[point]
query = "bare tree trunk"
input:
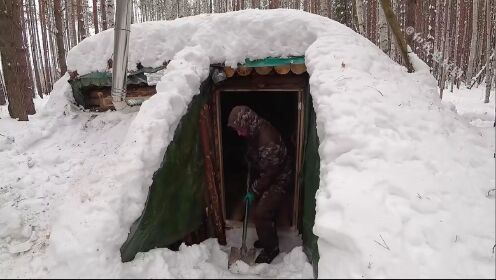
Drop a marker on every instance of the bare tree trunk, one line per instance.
(489, 58)
(473, 43)
(44, 49)
(59, 36)
(67, 35)
(73, 20)
(28, 74)
(480, 57)
(34, 45)
(3, 100)
(13, 58)
(397, 34)
(87, 17)
(325, 8)
(373, 20)
(255, 4)
(51, 40)
(273, 4)
(80, 20)
(457, 32)
(95, 16)
(410, 21)
(110, 13)
(103, 13)
(457, 29)
(39, 41)
(445, 66)
(464, 44)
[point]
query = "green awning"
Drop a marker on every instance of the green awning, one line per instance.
(274, 61)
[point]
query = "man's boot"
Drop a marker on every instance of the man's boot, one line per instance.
(267, 255)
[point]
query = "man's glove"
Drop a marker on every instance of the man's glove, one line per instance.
(249, 198)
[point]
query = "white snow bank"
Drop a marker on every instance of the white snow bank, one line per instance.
(403, 178)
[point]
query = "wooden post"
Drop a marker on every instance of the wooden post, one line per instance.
(215, 205)
(398, 36)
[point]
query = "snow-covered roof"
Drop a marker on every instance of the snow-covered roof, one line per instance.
(400, 194)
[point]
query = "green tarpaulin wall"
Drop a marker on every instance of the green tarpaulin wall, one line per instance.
(311, 181)
(175, 203)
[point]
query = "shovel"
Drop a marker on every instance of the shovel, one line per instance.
(243, 254)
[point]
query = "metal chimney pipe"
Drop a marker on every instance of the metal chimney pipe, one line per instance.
(122, 31)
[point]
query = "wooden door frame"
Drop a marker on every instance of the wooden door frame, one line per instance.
(291, 83)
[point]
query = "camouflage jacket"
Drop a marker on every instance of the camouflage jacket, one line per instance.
(266, 152)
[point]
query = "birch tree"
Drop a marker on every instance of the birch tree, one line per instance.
(360, 16)
(384, 43)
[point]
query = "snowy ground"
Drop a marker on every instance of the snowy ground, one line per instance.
(469, 104)
(405, 179)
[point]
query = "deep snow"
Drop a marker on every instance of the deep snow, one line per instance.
(404, 178)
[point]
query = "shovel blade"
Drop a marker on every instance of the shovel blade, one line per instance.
(237, 254)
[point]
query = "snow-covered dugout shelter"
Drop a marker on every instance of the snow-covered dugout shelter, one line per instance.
(384, 186)
(198, 190)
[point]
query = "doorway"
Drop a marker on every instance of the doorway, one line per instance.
(280, 109)
(281, 100)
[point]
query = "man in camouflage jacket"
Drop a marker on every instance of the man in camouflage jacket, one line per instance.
(271, 175)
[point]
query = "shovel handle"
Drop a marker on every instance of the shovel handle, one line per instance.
(247, 209)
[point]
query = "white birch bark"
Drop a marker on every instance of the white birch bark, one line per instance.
(384, 43)
(360, 16)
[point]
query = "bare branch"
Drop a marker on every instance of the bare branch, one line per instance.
(384, 244)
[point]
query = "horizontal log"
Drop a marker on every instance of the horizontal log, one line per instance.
(282, 69)
(298, 68)
(229, 71)
(263, 70)
(244, 71)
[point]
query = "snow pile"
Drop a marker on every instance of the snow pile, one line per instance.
(403, 184)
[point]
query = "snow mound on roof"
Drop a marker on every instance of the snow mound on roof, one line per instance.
(403, 179)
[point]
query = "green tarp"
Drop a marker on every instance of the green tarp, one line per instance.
(175, 203)
(274, 61)
(104, 79)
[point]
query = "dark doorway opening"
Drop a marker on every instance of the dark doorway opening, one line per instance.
(280, 109)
